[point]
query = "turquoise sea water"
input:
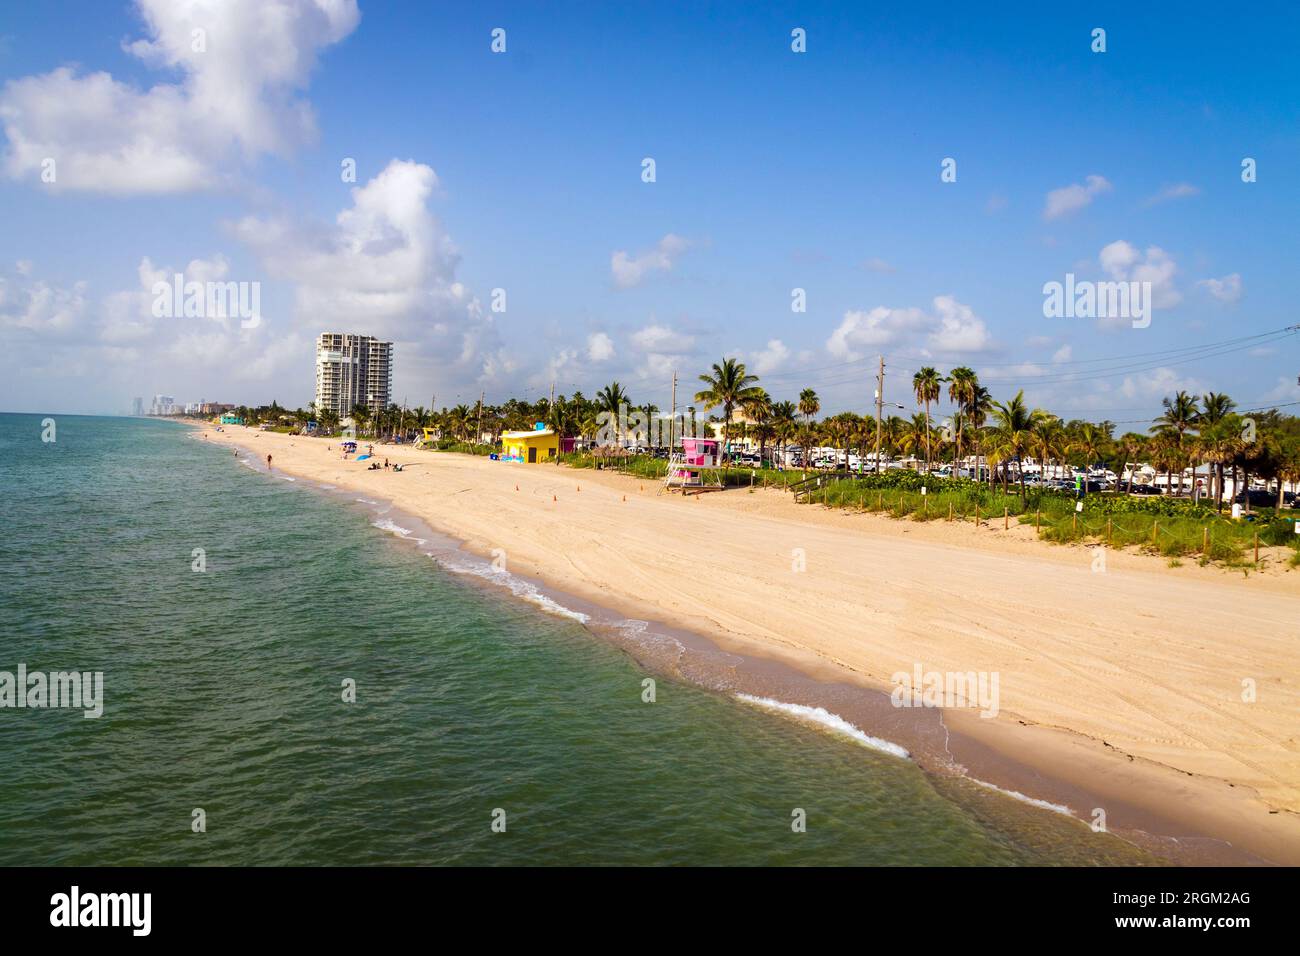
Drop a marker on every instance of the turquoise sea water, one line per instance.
(223, 691)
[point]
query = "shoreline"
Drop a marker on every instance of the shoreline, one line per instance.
(1155, 804)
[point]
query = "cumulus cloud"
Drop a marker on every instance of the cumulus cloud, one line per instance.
(1157, 384)
(1124, 262)
(600, 347)
(1226, 290)
(385, 263)
(41, 308)
(242, 65)
(629, 271)
(950, 327)
(769, 358)
(1070, 199)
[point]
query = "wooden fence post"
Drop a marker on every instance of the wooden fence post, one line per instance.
(1257, 547)
(1006, 517)
(1205, 540)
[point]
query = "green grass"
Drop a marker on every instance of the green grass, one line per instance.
(1169, 528)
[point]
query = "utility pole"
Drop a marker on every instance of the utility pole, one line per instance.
(672, 417)
(880, 405)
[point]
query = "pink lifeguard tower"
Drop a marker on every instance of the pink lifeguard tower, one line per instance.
(698, 465)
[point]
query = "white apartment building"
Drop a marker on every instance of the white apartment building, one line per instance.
(352, 370)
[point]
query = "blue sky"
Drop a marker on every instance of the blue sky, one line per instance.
(522, 171)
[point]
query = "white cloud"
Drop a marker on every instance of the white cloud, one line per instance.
(878, 265)
(951, 327)
(1124, 262)
(629, 271)
(661, 349)
(1063, 354)
(1286, 390)
(384, 267)
(959, 329)
(661, 338)
(600, 347)
(1157, 384)
(769, 359)
(236, 98)
(1070, 199)
(1226, 290)
(1176, 191)
(42, 309)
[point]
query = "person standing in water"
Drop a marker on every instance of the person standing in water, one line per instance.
(268, 462)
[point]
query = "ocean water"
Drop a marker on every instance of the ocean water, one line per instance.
(223, 690)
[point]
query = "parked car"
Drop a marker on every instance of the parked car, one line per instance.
(1258, 498)
(1145, 490)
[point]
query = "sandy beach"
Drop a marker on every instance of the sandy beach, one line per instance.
(1125, 687)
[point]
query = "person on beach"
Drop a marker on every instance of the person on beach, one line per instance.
(268, 462)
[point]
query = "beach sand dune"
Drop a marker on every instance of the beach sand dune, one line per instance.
(1135, 682)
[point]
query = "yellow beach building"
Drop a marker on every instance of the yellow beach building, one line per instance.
(540, 444)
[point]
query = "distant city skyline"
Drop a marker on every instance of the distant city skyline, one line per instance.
(626, 191)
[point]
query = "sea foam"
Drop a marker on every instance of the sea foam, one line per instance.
(833, 722)
(1023, 798)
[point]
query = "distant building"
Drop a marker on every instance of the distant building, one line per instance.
(137, 407)
(163, 405)
(352, 370)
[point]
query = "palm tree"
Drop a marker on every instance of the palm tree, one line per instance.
(360, 416)
(962, 386)
(758, 409)
(1091, 442)
(1047, 441)
(979, 409)
(912, 436)
(783, 424)
(1180, 415)
(611, 399)
(809, 405)
(729, 385)
(1219, 443)
(841, 429)
(1014, 424)
(1215, 407)
(927, 385)
(1131, 445)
